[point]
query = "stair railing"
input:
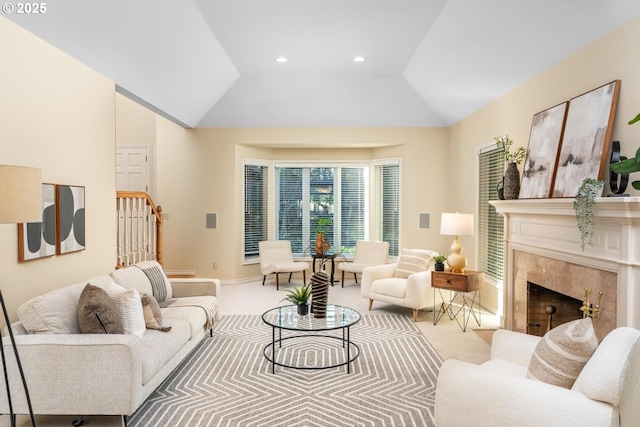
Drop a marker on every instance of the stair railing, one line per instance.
(139, 228)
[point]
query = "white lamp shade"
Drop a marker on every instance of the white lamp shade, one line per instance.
(20, 194)
(456, 224)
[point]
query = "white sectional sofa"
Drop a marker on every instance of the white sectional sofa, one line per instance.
(72, 373)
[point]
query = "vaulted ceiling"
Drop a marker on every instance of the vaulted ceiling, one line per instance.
(211, 63)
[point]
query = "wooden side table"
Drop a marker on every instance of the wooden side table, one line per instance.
(462, 284)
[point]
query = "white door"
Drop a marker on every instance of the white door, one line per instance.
(132, 168)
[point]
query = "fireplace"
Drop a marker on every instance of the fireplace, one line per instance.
(542, 246)
(547, 309)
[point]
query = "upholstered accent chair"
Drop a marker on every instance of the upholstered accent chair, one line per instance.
(276, 257)
(406, 283)
(497, 393)
(367, 254)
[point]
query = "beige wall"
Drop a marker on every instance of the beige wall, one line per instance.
(201, 171)
(612, 57)
(57, 115)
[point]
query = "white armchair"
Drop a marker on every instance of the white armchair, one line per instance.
(498, 392)
(367, 254)
(276, 257)
(379, 283)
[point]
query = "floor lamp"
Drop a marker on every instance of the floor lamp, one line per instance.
(20, 202)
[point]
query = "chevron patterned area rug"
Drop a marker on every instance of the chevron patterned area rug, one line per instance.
(227, 381)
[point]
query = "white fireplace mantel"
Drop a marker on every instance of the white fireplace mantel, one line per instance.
(548, 227)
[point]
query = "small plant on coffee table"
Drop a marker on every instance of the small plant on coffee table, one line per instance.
(300, 297)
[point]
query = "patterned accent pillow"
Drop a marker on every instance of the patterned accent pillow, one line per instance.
(152, 313)
(160, 284)
(412, 261)
(127, 301)
(97, 313)
(562, 353)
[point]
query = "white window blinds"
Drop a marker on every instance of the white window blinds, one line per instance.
(387, 207)
(255, 208)
(490, 224)
(306, 194)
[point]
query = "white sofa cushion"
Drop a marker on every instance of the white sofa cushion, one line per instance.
(134, 278)
(158, 347)
(129, 306)
(56, 312)
(392, 286)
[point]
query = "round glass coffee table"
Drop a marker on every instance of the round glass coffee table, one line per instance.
(287, 318)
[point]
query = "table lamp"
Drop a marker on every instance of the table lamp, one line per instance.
(20, 202)
(456, 224)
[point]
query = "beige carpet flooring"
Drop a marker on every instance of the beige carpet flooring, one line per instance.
(253, 298)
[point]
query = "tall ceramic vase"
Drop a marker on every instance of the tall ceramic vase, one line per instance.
(319, 293)
(511, 182)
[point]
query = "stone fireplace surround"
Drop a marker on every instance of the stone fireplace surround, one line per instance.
(542, 245)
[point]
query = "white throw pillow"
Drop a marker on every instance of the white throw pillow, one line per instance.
(129, 307)
(412, 261)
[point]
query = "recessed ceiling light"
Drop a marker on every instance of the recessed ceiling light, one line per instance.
(281, 59)
(359, 59)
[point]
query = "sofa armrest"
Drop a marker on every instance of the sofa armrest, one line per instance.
(468, 394)
(370, 274)
(419, 290)
(75, 374)
(514, 347)
(195, 287)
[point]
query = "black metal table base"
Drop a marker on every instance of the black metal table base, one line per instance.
(351, 348)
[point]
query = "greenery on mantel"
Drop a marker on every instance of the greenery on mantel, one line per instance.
(629, 165)
(583, 206)
(505, 143)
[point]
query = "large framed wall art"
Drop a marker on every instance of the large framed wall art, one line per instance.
(71, 218)
(542, 153)
(38, 239)
(585, 143)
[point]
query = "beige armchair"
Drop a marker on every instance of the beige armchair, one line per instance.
(367, 254)
(498, 392)
(276, 257)
(386, 282)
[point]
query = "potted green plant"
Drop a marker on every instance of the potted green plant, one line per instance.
(511, 180)
(583, 207)
(439, 262)
(629, 165)
(300, 297)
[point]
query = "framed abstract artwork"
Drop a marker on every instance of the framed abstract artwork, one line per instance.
(542, 153)
(585, 143)
(71, 219)
(38, 239)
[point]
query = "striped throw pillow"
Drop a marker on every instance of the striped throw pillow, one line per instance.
(561, 354)
(412, 261)
(129, 307)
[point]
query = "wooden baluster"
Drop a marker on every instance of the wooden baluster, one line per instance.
(120, 232)
(159, 236)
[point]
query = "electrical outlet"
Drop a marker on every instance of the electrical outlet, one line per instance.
(166, 216)
(215, 265)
